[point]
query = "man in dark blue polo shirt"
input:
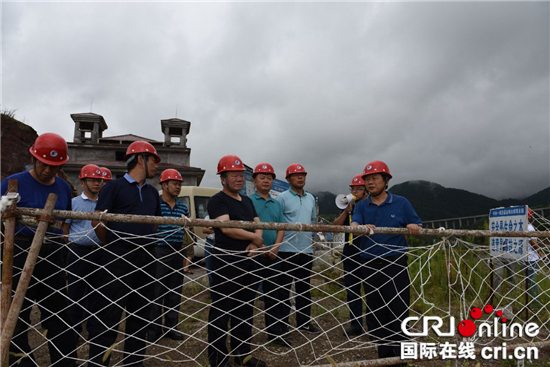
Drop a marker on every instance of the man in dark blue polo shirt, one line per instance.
(47, 287)
(169, 260)
(129, 265)
(385, 268)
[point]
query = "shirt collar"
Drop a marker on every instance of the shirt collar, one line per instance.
(130, 179)
(83, 196)
(295, 193)
(388, 200)
(257, 196)
(162, 201)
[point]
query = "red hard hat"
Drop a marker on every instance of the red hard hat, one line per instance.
(264, 168)
(106, 173)
(357, 180)
(90, 171)
(50, 148)
(170, 174)
(230, 163)
(295, 168)
(376, 167)
(139, 147)
(529, 214)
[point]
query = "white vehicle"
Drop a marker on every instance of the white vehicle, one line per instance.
(196, 198)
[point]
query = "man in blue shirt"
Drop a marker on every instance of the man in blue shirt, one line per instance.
(47, 286)
(270, 210)
(296, 252)
(385, 268)
(169, 259)
(127, 281)
(352, 260)
(83, 258)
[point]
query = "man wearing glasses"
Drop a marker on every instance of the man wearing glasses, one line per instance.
(352, 261)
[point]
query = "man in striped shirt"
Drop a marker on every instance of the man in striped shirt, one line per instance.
(169, 260)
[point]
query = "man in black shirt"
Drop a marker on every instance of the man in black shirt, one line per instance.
(233, 270)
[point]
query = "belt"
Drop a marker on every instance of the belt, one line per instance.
(386, 260)
(83, 246)
(23, 238)
(178, 246)
(47, 240)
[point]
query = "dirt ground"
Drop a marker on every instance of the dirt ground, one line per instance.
(308, 349)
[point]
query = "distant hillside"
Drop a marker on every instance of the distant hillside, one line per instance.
(433, 201)
(541, 198)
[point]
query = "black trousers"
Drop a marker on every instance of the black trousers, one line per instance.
(353, 280)
(167, 289)
(231, 310)
(127, 283)
(387, 291)
(296, 267)
(269, 277)
(82, 275)
(47, 288)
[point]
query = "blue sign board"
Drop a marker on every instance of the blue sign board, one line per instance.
(512, 219)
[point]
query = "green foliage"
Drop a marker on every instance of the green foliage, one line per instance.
(8, 113)
(329, 217)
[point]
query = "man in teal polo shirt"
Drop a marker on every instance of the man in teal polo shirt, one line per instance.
(296, 252)
(270, 210)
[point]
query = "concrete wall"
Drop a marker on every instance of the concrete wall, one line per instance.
(103, 154)
(89, 152)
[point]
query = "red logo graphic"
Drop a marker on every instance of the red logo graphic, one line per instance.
(468, 328)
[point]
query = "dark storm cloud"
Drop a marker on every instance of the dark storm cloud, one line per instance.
(455, 93)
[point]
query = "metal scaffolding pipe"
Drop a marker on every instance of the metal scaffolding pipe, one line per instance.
(186, 222)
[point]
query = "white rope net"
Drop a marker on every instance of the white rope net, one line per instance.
(447, 279)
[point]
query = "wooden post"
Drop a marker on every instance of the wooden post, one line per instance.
(7, 258)
(25, 279)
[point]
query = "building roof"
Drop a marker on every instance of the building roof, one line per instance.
(127, 138)
(90, 117)
(121, 164)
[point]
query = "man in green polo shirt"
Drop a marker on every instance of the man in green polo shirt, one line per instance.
(270, 210)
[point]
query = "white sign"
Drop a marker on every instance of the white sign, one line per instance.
(509, 219)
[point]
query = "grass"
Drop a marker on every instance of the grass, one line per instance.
(447, 279)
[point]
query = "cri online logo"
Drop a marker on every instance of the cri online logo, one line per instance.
(468, 328)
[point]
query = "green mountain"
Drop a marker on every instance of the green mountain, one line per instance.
(541, 198)
(433, 201)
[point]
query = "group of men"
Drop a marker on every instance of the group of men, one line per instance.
(139, 271)
(242, 259)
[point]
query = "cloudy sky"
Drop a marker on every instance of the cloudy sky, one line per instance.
(454, 93)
